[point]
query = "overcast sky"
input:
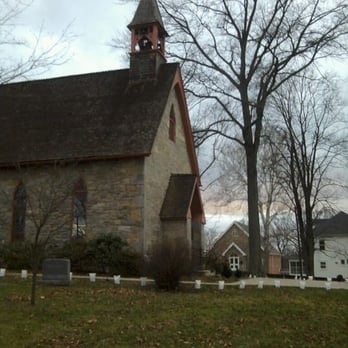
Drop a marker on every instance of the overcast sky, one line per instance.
(94, 24)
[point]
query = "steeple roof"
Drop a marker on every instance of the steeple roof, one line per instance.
(147, 12)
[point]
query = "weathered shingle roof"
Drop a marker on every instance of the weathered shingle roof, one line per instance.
(335, 226)
(176, 204)
(81, 117)
(147, 12)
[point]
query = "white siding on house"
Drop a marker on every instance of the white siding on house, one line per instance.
(332, 260)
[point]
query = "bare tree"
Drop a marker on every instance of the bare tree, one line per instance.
(283, 234)
(315, 142)
(236, 54)
(22, 56)
(45, 215)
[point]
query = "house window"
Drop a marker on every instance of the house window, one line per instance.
(343, 262)
(79, 209)
(19, 212)
(323, 265)
(234, 263)
(321, 244)
(172, 125)
(295, 267)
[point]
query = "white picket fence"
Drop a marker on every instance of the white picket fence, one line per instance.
(259, 283)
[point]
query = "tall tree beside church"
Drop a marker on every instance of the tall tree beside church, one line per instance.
(236, 54)
(22, 55)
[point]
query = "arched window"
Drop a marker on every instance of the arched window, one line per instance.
(19, 211)
(172, 125)
(79, 209)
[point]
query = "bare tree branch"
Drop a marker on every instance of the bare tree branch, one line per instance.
(28, 54)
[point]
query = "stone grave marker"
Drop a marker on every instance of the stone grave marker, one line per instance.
(56, 272)
(197, 284)
(221, 285)
(92, 277)
(242, 284)
(24, 274)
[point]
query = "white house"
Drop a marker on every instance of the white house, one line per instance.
(331, 247)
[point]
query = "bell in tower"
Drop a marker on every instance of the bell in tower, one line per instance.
(147, 42)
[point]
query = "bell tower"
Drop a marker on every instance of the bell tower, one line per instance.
(147, 42)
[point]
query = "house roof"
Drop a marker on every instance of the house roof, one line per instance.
(147, 12)
(245, 229)
(335, 226)
(242, 227)
(81, 117)
(234, 245)
(177, 202)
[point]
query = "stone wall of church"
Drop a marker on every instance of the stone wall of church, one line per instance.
(47, 201)
(167, 157)
(8, 184)
(114, 198)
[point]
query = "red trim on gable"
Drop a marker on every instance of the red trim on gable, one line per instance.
(200, 217)
(196, 191)
(178, 86)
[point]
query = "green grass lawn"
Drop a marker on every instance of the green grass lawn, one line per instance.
(104, 315)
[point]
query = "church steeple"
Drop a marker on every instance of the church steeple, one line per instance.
(147, 42)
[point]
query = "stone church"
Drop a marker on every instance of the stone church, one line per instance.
(124, 137)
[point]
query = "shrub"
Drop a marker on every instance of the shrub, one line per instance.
(237, 273)
(76, 251)
(107, 254)
(111, 255)
(340, 278)
(130, 263)
(16, 255)
(226, 271)
(105, 250)
(213, 263)
(169, 262)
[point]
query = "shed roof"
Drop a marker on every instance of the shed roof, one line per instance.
(81, 117)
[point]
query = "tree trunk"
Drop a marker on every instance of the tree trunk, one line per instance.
(309, 253)
(253, 214)
(33, 287)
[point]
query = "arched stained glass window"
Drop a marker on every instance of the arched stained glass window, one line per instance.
(19, 211)
(79, 209)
